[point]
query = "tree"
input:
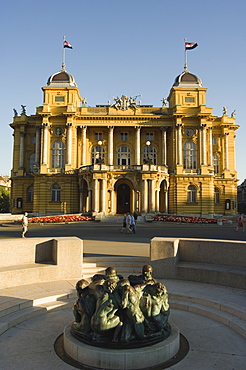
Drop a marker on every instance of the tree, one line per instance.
(4, 200)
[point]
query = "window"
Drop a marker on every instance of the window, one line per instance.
(124, 156)
(150, 136)
(189, 99)
(29, 194)
(216, 163)
(59, 98)
(58, 154)
(189, 155)
(98, 136)
(33, 139)
(149, 154)
(214, 140)
(191, 194)
(216, 195)
(124, 136)
(31, 162)
(55, 193)
(98, 154)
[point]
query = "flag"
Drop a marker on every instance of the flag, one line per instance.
(67, 45)
(190, 45)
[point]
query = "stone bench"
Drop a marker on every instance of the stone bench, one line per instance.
(36, 260)
(220, 262)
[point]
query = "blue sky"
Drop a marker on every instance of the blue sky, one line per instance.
(126, 47)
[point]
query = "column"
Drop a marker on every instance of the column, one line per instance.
(134, 201)
(84, 129)
(112, 201)
(144, 196)
(179, 144)
(37, 146)
(22, 146)
(157, 200)
(110, 145)
(103, 196)
(164, 147)
(203, 145)
(152, 196)
(45, 143)
(95, 193)
(210, 146)
(226, 136)
(69, 143)
(89, 201)
(137, 147)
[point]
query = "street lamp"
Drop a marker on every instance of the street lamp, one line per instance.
(100, 159)
(148, 160)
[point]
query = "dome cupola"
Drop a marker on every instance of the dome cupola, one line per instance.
(187, 80)
(61, 79)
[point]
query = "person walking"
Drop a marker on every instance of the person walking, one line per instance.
(240, 222)
(24, 222)
(128, 224)
(124, 223)
(133, 224)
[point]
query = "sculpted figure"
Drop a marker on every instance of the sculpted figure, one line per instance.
(110, 309)
(224, 111)
(154, 305)
(130, 302)
(143, 279)
(105, 318)
(23, 107)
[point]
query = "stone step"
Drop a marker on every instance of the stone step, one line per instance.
(213, 274)
(225, 318)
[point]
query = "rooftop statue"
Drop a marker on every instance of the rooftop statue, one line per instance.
(123, 102)
(121, 313)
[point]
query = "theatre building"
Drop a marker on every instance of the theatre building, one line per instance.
(123, 157)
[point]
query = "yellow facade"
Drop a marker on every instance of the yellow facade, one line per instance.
(124, 157)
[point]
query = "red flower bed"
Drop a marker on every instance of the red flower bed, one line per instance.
(186, 219)
(64, 218)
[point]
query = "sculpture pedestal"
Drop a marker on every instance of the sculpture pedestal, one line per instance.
(117, 359)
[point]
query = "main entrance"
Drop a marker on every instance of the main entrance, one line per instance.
(123, 198)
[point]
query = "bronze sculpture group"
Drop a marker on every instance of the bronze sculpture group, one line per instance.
(121, 313)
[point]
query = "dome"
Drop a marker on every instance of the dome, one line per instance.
(61, 79)
(187, 79)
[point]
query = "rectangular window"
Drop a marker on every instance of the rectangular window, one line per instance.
(98, 136)
(33, 139)
(59, 98)
(214, 140)
(189, 99)
(124, 136)
(150, 136)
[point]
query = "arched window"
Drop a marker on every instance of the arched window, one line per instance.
(216, 195)
(216, 163)
(31, 162)
(124, 156)
(191, 194)
(149, 154)
(29, 194)
(97, 154)
(58, 154)
(190, 155)
(55, 193)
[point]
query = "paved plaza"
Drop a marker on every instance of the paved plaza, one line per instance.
(213, 345)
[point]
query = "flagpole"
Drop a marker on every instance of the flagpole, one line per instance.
(185, 57)
(63, 54)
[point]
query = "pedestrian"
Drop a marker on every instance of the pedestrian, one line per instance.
(124, 223)
(240, 222)
(128, 224)
(24, 222)
(133, 224)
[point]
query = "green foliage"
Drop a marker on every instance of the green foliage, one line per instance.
(4, 200)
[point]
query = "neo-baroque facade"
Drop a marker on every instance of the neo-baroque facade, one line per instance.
(124, 157)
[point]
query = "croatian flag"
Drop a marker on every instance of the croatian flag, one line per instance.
(67, 45)
(190, 45)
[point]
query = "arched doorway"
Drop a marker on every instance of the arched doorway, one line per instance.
(163, 197)
(123, 198)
